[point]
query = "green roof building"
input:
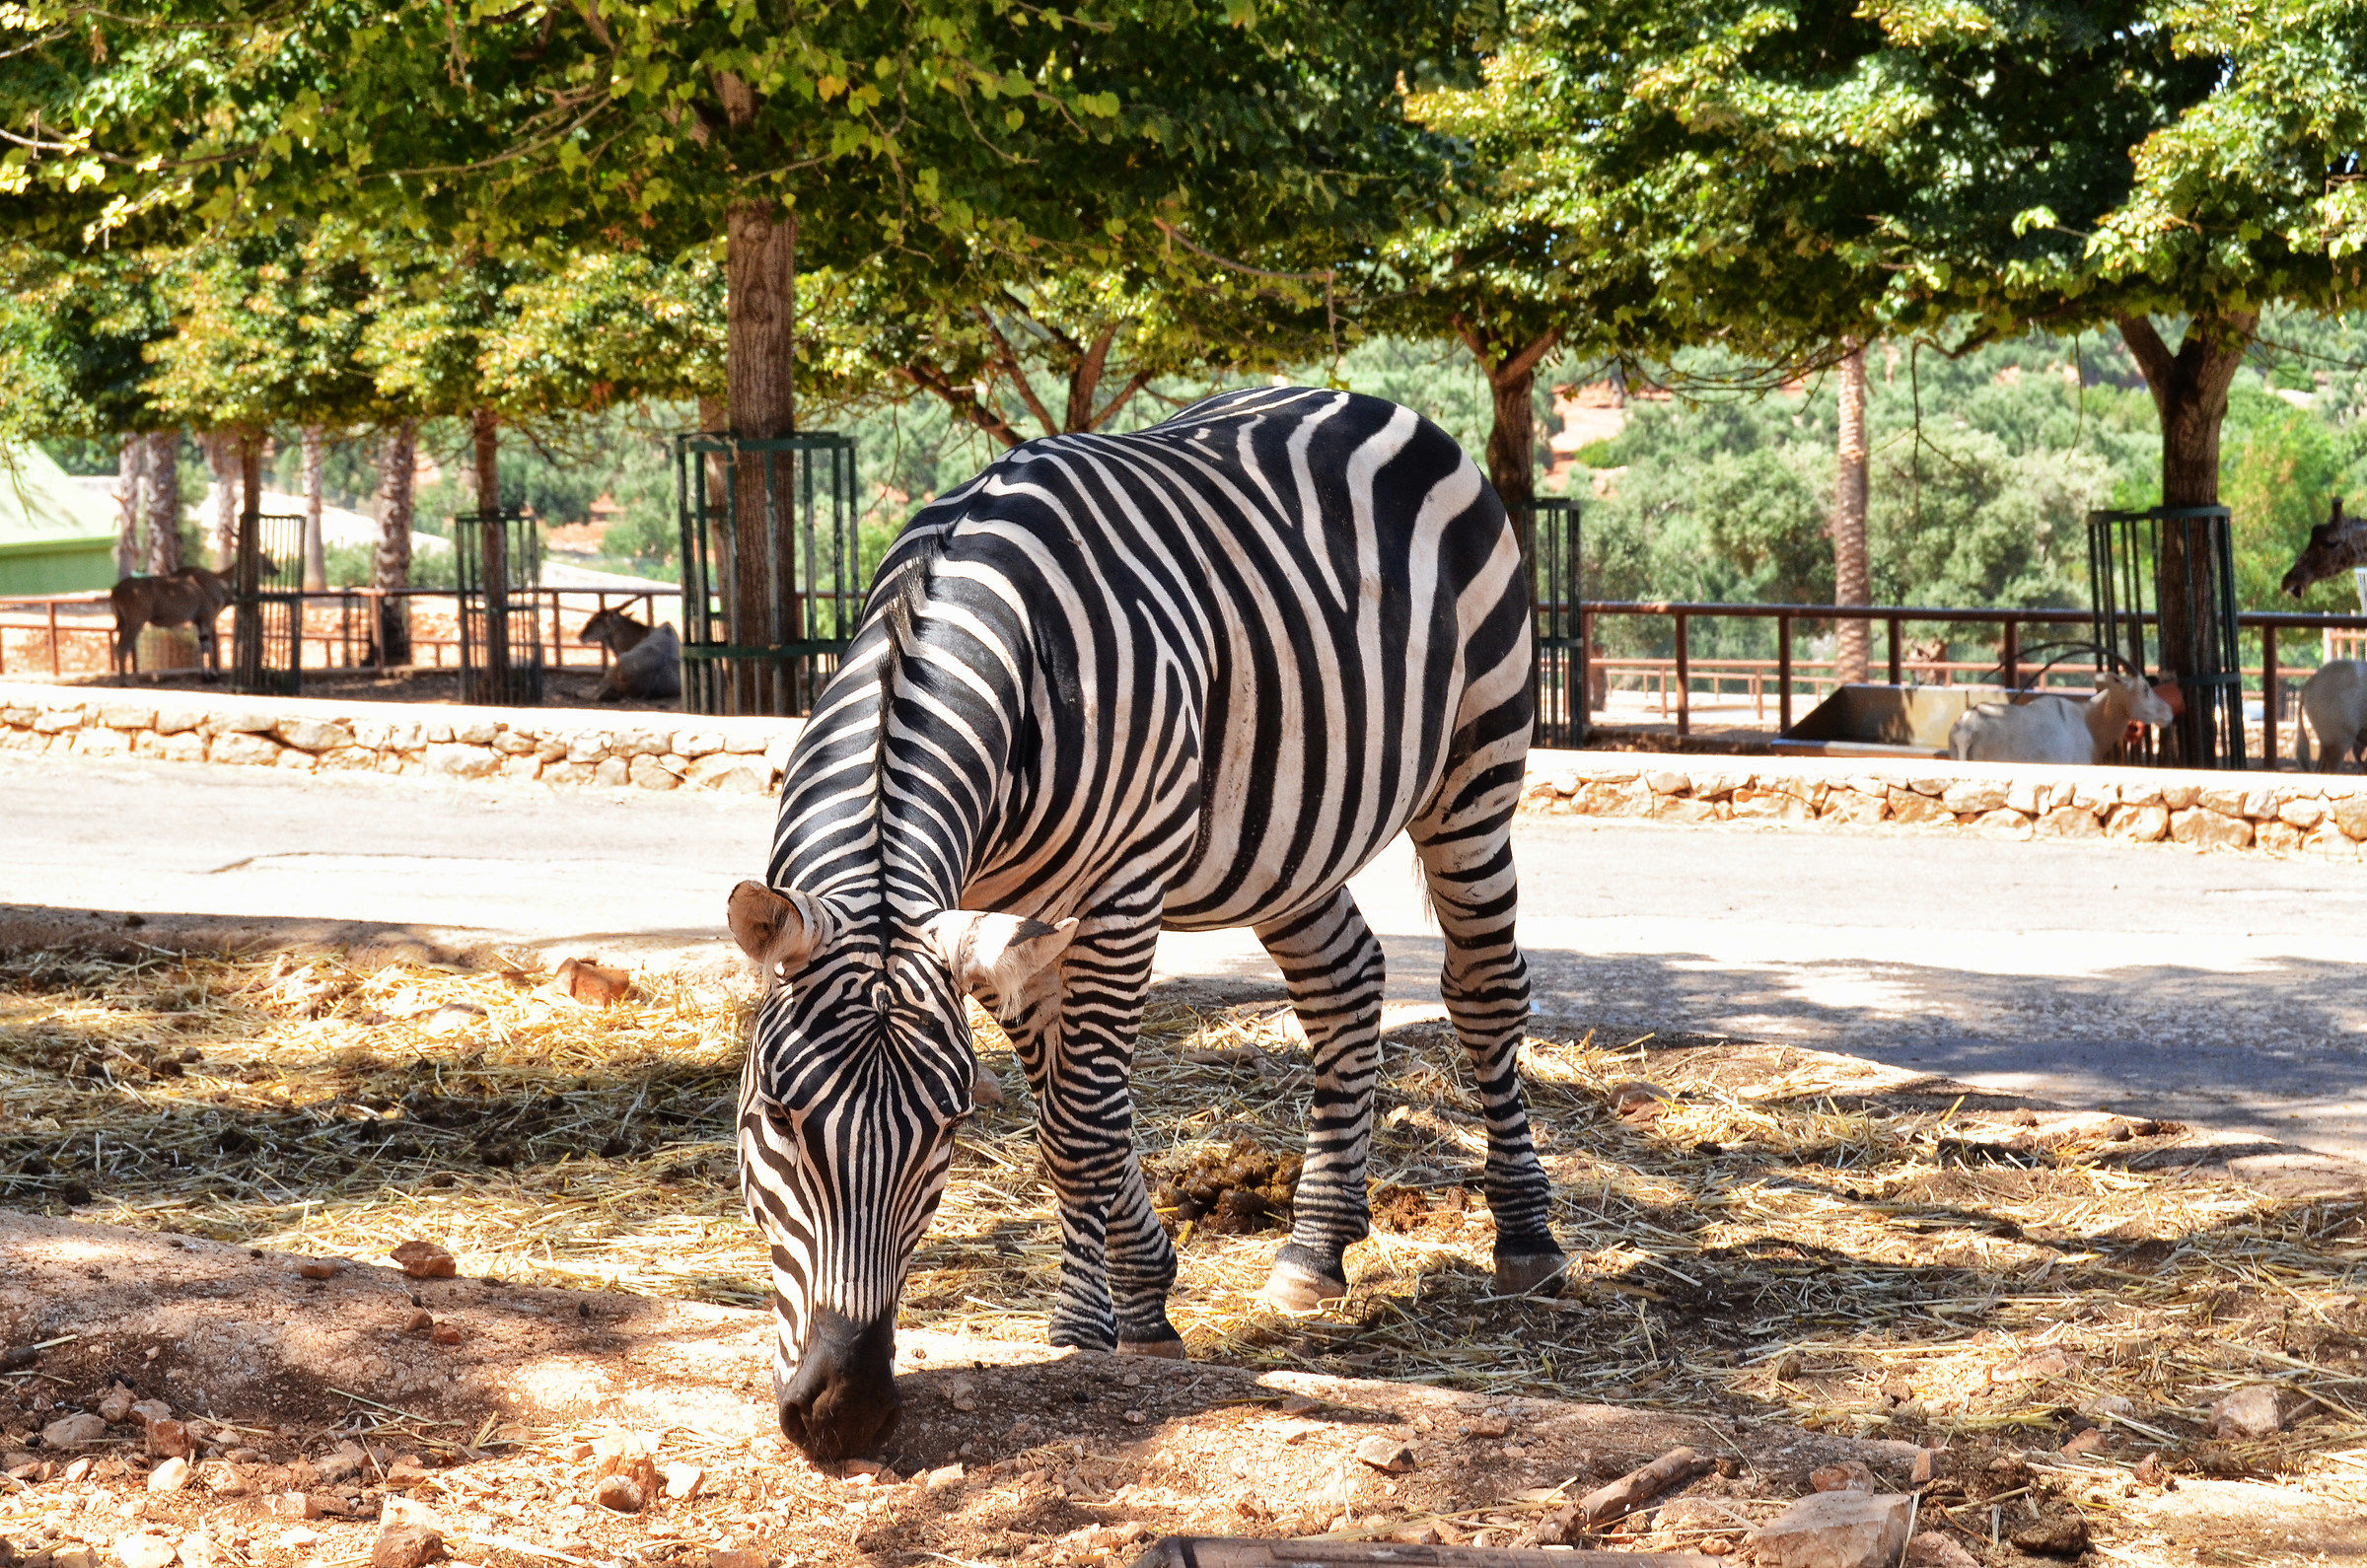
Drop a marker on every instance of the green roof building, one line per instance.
(55, 536)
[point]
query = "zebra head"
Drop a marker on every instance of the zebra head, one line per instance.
(859, 1075)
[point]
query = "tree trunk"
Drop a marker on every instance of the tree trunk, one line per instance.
(1512, 437)
(1850, 580)
(715, 419)
(492, 543)
(1512, 448)
(131, 470)
(164, 503)
(316, 548)
(391, 570)
(486, 446)
(246, 564)
(761, 268)
(221, 457)
(2189, 395)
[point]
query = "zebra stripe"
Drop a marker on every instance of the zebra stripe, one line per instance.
(1190, 677)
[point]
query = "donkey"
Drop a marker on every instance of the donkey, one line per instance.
(192, 595)
(648, 658)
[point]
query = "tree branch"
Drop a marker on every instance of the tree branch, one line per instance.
(1110, 411)
(2145, 346)
(1017, 371)
(1085, 378)
(1472, 341)
(1525, 361)
(962, 401)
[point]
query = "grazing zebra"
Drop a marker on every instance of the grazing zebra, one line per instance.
(1190, 677)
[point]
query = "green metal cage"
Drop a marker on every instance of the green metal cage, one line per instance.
(772, 576)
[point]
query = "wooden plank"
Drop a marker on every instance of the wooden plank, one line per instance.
(1640, 1486)
(1212, 1551)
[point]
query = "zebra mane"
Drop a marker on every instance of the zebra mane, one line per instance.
(898, 610)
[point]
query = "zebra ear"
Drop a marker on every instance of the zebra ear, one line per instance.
(780, 931)
(998, 953)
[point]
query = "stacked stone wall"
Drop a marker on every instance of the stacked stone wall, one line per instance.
(561, 747)
(2281, 813)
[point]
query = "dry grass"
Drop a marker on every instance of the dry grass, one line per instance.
(1752, 1247)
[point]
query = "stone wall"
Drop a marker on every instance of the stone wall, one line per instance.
(555, 746)
(2281, 813)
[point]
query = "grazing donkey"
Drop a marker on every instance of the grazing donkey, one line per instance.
(648, 660)
(1188, 678)
(192, 595)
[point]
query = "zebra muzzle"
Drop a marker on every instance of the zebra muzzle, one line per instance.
(842, 1402)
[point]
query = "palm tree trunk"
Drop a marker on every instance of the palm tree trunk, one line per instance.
(1851, 584)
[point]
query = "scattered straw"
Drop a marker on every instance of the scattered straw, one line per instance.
(1760, 1247)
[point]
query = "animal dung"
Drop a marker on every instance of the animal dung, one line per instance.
(1244, 1188)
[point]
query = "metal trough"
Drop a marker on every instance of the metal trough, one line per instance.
(1884, 721)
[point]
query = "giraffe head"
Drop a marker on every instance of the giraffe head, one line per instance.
(858, 1077)
(2335, 547)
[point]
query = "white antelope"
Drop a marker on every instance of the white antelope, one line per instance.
(2052, 729)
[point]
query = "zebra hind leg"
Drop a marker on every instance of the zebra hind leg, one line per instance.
(1334, 967)
(1466, 849)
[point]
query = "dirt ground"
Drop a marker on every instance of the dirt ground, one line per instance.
(1782, 1258)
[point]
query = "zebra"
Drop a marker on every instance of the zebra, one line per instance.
(1186, 677)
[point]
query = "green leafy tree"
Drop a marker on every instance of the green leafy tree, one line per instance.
(1968, 172)
(75, 335)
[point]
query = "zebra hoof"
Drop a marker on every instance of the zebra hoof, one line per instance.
(1293, 1289)
(1531, 1273)
(1164, 1349)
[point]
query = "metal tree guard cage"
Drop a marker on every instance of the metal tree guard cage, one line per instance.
(1556, 584)
(2124, 583)
(266, 599)
(498, 556)
(771, 570)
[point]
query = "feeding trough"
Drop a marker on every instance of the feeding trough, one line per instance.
(1871, 720)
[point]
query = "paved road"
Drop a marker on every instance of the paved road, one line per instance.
(2214, 988)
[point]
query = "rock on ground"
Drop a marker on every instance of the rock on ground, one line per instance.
(1836, 1530)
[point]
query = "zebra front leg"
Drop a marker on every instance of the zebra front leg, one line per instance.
(1334, 969)
(1117, 1265)
(1466, 862)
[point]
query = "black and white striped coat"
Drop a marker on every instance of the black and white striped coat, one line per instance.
(1188, 678)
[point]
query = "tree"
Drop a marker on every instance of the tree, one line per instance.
(1968, 172)
(834, 132)
(75, 335)
(1017, 351)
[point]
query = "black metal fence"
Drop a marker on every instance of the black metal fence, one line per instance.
(498, 562)
(2125, 556)
(266, 603)
(771, 569)
(1557, 589)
